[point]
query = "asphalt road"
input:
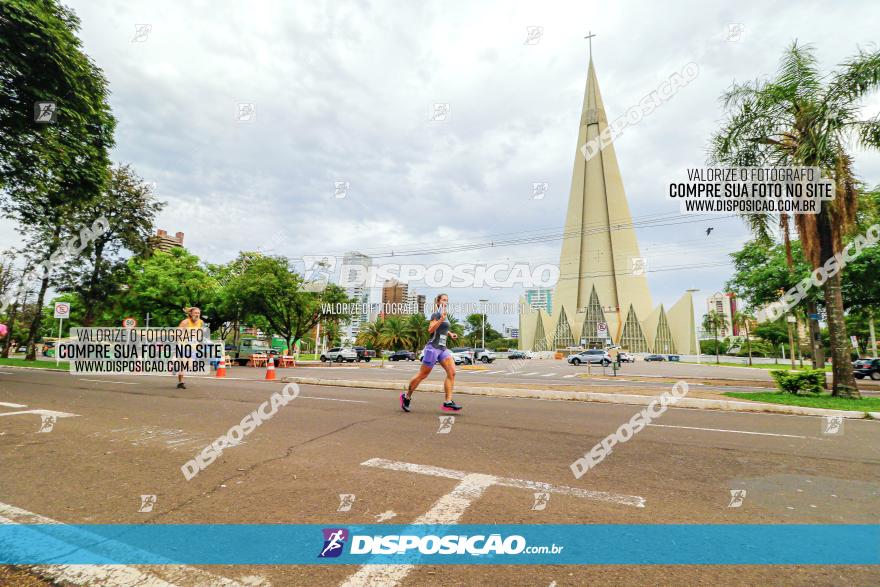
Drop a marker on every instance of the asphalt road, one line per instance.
(128, 436)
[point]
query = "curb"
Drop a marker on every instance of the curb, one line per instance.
(34, 368)
(589, 396)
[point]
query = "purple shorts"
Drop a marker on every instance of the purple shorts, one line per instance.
(433, 355)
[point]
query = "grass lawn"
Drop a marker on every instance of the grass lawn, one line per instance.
(782, 366)
(866, 404)
(63, 365)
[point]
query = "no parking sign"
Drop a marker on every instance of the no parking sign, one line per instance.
(601, 330)
(62, 310)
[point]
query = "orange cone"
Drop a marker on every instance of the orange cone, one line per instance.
(221, 368)
(270, 369)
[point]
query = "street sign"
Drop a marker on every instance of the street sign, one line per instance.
(855, 341)
(602, 330)
(814, 316)
(129, 323)
(62, 310)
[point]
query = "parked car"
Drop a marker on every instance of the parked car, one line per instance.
(625, 357)
(519, 355)
(655, 358)
(364, 354)
(464, 354)
(483, 355)
(248, 347)
(867, 368)
(402, 356)
(340, 354)
(590, 356)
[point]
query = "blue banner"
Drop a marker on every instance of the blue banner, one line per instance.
(466, 544)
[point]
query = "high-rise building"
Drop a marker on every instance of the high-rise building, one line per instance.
(416, 302)
(356, 288)
(540, 298)
(602, 294)
(394, 297)
(724, 304)
(162, 241)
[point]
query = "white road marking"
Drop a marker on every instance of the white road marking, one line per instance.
(111, 575)
(449, 509)
(333, 399)
(733, 431)
(41, 413)
(8, 405)
(532, 373)
(568, 376)
(6, 373)
(106, 381)
(548, 374)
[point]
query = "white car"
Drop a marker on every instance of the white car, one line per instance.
(340, 354)
(457, 357)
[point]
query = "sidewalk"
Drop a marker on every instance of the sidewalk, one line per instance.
(696, 399)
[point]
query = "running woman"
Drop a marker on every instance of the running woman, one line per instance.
(193, 321)
(436, 352)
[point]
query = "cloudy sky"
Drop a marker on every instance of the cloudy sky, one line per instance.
(343, 91)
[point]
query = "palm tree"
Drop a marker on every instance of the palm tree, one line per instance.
(804, 118)
(395, 334)
(714, 321)
(455, 326)
(417, 329)
(745, 320)
(369, 334)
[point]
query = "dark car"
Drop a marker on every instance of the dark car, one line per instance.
(655, 358)
(402, 356)
(867, 368)
(364, 354)
(518, 355)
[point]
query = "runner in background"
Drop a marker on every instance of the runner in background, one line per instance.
(193, 321)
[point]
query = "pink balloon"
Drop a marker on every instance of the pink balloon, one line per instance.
(3, 330)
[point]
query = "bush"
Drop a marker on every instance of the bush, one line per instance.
(808, 380)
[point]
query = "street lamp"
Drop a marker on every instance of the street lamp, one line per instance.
(484, 322)
(696, 326)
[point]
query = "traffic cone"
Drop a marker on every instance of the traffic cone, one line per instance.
(221, 368)
(270, 369)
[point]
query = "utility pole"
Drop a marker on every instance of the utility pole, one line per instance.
(483, 313)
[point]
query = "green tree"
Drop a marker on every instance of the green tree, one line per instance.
(744, 321)
(714, 322)
(417, 329)
(802, 117)
(395, 333)
(96, 274)
(270, 288)
(47, 169)
(163, 284)
(370, 335)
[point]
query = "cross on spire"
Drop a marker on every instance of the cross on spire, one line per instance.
(589, 37)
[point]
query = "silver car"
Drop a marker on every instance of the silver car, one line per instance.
(593, 356)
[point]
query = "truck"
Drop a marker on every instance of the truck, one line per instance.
(364, 354)
(247, 347)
